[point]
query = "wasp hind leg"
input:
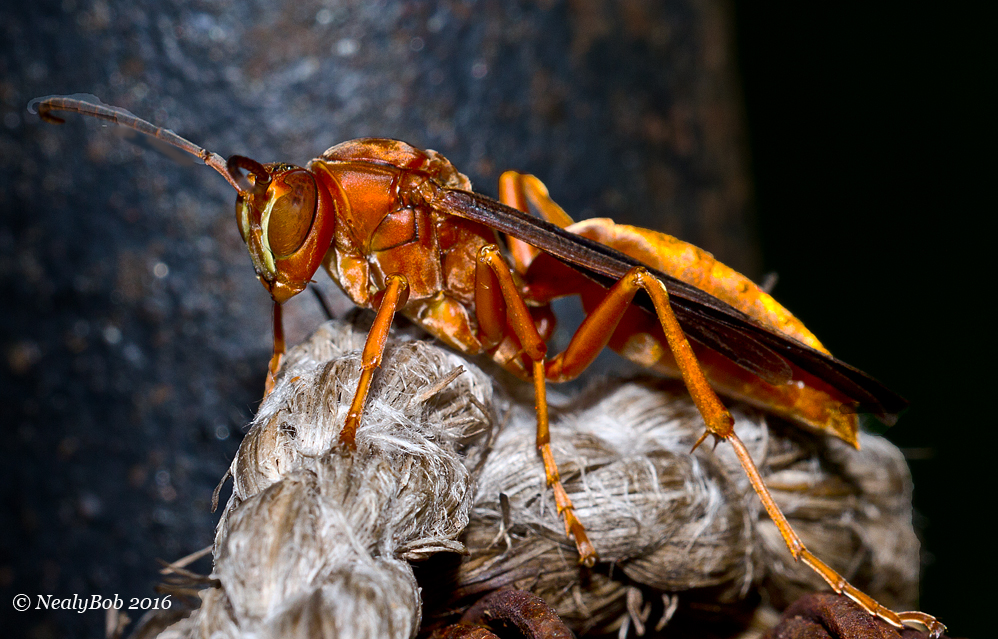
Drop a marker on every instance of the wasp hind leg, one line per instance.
(594, 334)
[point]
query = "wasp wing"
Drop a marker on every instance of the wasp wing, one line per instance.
(703, 317)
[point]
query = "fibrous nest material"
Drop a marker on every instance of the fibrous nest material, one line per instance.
(316, 541)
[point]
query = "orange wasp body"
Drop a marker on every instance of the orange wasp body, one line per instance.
(400, 230)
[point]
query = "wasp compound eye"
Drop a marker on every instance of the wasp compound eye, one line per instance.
(292, 214)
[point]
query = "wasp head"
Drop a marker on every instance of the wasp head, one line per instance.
(286, 220)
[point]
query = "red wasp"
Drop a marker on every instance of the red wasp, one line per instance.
(400, 230)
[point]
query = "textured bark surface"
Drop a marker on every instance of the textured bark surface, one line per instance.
(135, 338)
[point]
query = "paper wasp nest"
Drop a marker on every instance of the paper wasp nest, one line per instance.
(316, 543)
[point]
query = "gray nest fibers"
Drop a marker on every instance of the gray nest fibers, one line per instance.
(315, 542)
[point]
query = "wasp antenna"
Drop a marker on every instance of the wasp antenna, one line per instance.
(260, 174)
(45, 106)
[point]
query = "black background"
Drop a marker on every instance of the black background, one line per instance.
(872, 140)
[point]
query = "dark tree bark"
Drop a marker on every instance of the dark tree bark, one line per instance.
(135, 337)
